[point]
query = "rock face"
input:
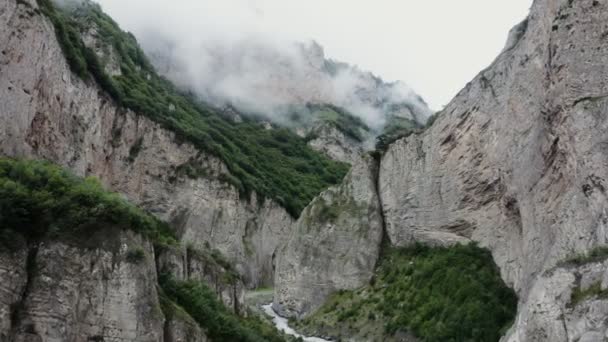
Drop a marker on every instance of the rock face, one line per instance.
(57, 292)
(46, 112)
(517, 161)
(335, 244)
(566, 303)
(208, 268)
(335, 144)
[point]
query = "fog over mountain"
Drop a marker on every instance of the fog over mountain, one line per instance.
(242, 63)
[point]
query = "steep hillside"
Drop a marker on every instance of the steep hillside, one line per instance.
(274, 163)
(78, 263)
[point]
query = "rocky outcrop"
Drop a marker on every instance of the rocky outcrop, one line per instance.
(183, 329)
(334, 245)
(517, 161)
(566, 303)
(207, 267)
(47, 112)
(94, 292)
(332, 142)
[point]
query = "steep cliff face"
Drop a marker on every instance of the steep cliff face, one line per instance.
(58, 292)
(517, 161)
(334, 244)
(48, 112)
(207, 267)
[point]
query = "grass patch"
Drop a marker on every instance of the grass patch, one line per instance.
(275, 163)
(437, 294)
(39, 200)
(595, 290)
(596, 254)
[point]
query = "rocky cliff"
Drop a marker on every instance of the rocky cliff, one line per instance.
(83, 291)
(334, 244)
(48, 112)
(517, 161)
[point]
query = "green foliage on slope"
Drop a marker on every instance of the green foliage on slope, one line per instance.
(344, 121)
(200, 303)
(436, 294)
(39, 200)
(395, 129)
(275, 163)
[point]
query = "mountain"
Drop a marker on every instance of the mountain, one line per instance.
(156, 209)
(266, 78)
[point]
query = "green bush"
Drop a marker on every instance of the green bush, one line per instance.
(202, 305)
(136, 255)
(274, 163)
(39, 199)
(438, 294)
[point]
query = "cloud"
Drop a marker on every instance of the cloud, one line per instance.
(227, 53)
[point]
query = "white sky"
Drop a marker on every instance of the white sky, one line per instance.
(435, 46)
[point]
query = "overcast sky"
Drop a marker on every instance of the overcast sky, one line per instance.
(434, 46)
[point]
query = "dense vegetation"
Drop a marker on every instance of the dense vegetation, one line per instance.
(395, 129)
(40, 200)
(275, 163)
(436, 294)
(200, 303)
(343, 120)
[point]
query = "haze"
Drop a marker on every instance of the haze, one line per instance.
(435, 47)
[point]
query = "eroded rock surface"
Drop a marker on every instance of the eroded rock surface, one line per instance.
(47, 112)
(92, 292)
(517, 161)
(335, 244)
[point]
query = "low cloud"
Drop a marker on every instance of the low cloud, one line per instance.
(225, 54)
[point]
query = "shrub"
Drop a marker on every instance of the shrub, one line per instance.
(202, 305)
(438, 294)
(39, 199)
(136, 255)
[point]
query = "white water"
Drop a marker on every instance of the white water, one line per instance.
(282, 324)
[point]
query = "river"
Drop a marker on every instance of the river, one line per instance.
(282, 324)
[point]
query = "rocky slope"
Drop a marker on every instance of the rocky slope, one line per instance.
(517, 162)
(334, 244)
(50, 113)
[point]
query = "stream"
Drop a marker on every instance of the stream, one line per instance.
(282, 324)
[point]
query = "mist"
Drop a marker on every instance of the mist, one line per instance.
(228, 54)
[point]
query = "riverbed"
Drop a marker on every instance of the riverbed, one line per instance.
(282, 324)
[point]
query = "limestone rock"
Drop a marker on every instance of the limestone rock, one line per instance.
(207, 267)
(89, 292)
(517, 161)
(335, 244)
(47, 112)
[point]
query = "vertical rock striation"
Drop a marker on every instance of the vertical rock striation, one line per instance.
(47, 112)
(518, 162)
(334, 245)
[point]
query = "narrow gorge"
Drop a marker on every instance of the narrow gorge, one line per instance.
(131, 210)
